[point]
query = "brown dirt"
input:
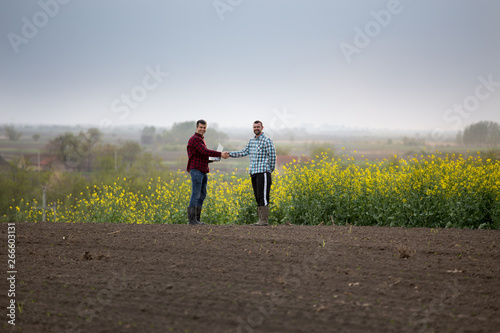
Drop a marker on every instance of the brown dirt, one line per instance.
(179, 278)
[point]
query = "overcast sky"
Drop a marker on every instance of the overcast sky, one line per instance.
(421, 64)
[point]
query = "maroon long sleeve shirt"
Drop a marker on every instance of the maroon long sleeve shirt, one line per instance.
(198, 154)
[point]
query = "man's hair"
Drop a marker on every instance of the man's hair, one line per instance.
(258, 122)
(201, 121)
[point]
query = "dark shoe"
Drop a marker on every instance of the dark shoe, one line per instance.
(198, 214)
(192, 216)
(263, 212)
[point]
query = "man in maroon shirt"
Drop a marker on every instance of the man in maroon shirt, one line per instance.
(197, 166)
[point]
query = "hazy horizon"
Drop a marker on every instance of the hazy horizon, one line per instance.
(419, 66)
(323, 132)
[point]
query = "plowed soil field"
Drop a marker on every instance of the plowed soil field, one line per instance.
(75, 277)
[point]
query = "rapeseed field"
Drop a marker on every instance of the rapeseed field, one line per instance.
(434, 190)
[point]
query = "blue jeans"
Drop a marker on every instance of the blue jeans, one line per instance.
(199, 187)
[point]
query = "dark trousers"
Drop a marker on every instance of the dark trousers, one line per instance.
(199, 188)
(261, 183)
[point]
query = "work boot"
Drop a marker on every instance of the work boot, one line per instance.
(263, 212)
(198, 214)
(192, 216)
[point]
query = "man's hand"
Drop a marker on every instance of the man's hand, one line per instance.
(225, 154)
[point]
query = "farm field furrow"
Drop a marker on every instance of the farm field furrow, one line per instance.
(102, 277)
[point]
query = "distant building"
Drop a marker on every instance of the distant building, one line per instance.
(35, 162)
(52, 163)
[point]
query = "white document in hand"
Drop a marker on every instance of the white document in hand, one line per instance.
(216, 159)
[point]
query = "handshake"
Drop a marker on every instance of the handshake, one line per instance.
(225, 155)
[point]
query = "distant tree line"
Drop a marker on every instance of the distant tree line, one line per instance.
(481, 133)
(14, 135)
(86, 152)
(413, 141)
(11, 133)
(180, 133)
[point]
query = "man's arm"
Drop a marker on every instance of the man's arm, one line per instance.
(272, 154)
(202, 149)
(241, 153)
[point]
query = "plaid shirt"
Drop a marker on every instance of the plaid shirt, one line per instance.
(198, 154)
(262, 154)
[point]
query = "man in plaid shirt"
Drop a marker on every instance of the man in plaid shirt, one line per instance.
(262, 162)
(197, 166)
